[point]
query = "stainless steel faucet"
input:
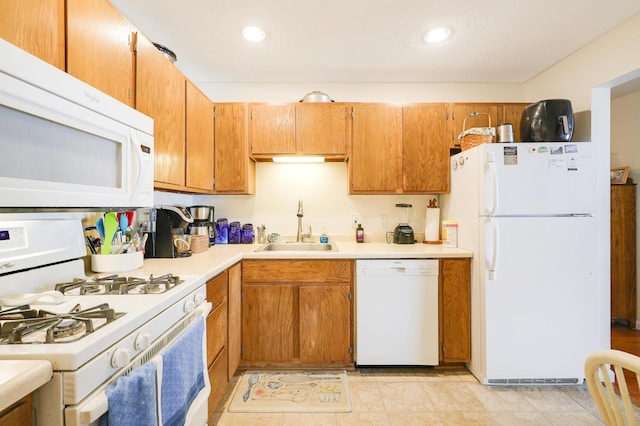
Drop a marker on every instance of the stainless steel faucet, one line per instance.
(299, 214)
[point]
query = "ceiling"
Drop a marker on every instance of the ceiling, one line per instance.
(373, 41)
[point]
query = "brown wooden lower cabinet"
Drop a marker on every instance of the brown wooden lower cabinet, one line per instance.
(297, 313)
(218, 380)
(216, 323)
(19, 414)
(454, 310)
(623, 254)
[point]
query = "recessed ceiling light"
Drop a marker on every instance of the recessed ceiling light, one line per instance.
(436, 35)
(253, 33)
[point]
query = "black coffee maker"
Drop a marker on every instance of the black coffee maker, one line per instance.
(169, 221)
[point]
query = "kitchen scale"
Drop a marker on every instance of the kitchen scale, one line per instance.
(403, 233)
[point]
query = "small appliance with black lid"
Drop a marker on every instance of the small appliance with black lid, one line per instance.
(403, 233)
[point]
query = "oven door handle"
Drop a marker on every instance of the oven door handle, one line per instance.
(94, 408)
(97, 405)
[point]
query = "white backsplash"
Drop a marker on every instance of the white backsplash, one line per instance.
(323, 189)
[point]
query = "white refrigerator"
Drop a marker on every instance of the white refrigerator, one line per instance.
(527, 210)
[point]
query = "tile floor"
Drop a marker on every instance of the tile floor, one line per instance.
(424, 396)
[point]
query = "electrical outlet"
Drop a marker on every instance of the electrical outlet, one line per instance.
(384, 221)
(355, 220)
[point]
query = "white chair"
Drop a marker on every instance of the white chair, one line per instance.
(598, 367)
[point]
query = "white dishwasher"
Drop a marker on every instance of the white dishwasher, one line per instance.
(397, 312)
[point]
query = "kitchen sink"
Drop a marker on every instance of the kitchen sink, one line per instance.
(298, 247)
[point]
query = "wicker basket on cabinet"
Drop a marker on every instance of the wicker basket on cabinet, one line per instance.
(475, 136)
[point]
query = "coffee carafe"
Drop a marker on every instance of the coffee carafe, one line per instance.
(168, 236)
(203, 223)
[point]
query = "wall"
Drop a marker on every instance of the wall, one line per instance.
(606, 58)
(353, 92)
(326, 204)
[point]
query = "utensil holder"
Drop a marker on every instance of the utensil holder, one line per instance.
(117, 262)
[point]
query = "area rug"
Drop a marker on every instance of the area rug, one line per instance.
(292, 392)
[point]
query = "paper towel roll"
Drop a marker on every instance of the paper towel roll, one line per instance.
(432, 224)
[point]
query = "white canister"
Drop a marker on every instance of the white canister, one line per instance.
(450, 233)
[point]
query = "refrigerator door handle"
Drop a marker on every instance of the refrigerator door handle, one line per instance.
(493, 262)
(494, 184)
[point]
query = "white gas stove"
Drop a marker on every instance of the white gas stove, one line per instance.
(92, 329)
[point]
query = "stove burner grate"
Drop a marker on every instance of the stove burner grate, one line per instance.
(114, 284)
(25, 325)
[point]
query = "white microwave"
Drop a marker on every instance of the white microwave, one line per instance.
(65, 144)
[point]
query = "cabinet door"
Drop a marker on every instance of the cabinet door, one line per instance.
(99, 48)
(267, 322)
(272, 129)
(18, 414)
(460, 111)
(374, 164)
(217, 318)
(455, 310)
(512, 113)
(425, 149)
(160, 89)
(234, 171)
(199, 139)
(325, 323)
(37, 27)
(235, 318)
(623, 253)
(321, 129)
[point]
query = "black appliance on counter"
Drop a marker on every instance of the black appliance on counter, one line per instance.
(550, 120)
(169, 221)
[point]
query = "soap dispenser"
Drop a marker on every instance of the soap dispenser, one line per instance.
(360, 234)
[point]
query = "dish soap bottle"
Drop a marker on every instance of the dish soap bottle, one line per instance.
(360, 234)
(324, 239)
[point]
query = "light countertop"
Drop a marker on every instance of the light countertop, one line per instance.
(19, 378)
(219, 257)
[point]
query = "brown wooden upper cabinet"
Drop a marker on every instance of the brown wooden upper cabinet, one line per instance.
(37, 27)
(199, 140)
(425, 149)
(376, 143)
(100, 48)
(499, 112)
(235, 171)
(321, 129)
(299, 129)
(160, 89)
(272, 129)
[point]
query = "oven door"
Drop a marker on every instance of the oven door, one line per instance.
(178, 338)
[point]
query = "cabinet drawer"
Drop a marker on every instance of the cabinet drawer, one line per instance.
(218, 379)
(281, 270)
(217, 289)
(216, 331)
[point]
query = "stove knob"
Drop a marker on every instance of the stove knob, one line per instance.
(189, 306)
(142, 342)
(198, 298)
(120, 358)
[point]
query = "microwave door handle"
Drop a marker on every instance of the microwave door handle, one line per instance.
(493, 262)
(137, 155)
